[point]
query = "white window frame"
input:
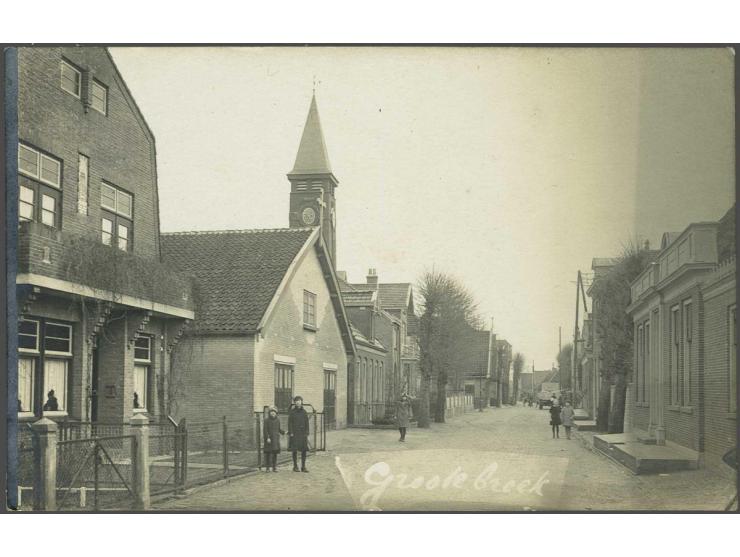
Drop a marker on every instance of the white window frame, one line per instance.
(28, 350)
(40, 158)
(118, 193)
(309, 298)
(143, 397)
(54, 352)
(95, 83)
(34, 362)
(65, 404)
(78, 93)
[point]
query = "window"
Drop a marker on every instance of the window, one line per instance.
(26, 208)
(115, 222)
(142, 363)
(83, 183)
(43, 365)
(99, 97)
(37, 201)
(35, 164)
(283, 387)
(58, 339)
(28, 335)
(674, 355)
(686, 391)
(309, 308)
(141, 380)
(733, 359)
(26, 372)
(71, 79)
(143, 348)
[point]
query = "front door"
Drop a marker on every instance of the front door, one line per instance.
(330, 397)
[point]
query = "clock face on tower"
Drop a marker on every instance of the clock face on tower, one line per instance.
(308, 216)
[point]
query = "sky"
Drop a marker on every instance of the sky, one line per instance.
(510, 168)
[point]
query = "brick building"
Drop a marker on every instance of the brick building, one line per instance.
(270, 319)
(477, 364)
(683, 308)
(99, 313)
(382, 315)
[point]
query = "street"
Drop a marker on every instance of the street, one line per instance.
(501, 459)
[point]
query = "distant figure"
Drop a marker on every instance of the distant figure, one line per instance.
(566, 415)
(555, 420)
(136, 400)
(271, 437)
(52, 404)
(298, 433)
(403, 416)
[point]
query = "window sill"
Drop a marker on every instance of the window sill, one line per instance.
(312, 328)
(687, 409)
(140, 410)
(26, 416)
(54, 414)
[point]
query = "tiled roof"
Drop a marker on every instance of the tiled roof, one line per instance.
(237, 272)
(362, 339)
(392, 295)
(358, 297)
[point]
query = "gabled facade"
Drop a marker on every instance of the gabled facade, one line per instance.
(683, 309)
(98, 312)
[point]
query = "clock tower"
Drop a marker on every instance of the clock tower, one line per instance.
(312, 184)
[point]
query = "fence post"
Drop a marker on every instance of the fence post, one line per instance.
(140, 428)
(44, 465)
(226, 446)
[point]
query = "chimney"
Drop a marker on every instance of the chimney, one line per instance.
(342, 275)
(372, 278)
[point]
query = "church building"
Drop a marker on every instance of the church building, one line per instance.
(269, 319)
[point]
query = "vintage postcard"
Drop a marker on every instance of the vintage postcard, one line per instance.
(340, 278)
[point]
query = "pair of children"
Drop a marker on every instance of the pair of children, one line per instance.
(297, 436)
(560, 416)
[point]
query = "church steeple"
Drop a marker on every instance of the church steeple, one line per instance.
(312, 157)
(312, 201)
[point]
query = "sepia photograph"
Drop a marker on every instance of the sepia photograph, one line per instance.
(370, 278)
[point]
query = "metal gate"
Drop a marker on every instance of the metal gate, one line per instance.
(98, 468)
(330, 398)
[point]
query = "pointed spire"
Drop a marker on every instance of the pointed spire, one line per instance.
(312, 157)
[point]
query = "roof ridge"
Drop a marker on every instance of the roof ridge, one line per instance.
(236, 231)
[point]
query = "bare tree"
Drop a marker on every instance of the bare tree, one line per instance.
(448, 312)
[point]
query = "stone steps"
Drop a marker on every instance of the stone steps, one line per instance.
(642, 458)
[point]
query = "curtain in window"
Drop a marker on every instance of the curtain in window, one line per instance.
(25, 384)
(141, 374)
(55, 378)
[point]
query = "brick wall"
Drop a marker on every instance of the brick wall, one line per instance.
(213, 378)
(284, 335)
(721, 422)
(120, 148)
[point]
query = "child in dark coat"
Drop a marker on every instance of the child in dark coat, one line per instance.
(555, 419)
(298, 433)
(271, 437)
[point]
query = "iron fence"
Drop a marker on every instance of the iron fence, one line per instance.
(25, 471)
(96, 473)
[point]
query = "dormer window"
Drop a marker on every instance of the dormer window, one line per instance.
(71, 79)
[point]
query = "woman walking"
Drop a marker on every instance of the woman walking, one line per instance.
(555, 419)
(298, 433)
(566, 415)
(403, 416)
(271, 437)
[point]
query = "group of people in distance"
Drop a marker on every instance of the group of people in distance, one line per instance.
(561, 415)
(298, 430)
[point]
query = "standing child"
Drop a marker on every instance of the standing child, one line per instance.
(403, 415)
(298, 433)
(567, 415)
(271, 435)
